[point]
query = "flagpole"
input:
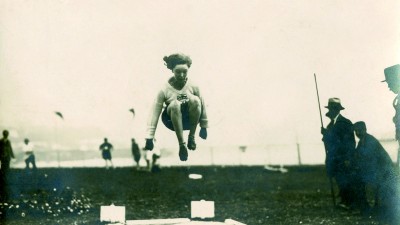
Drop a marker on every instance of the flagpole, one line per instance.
(58, 150)
(325, 146)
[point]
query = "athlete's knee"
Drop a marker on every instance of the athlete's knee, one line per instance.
(174, 107)
(194, 102)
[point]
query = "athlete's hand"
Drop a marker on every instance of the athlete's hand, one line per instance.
(149, 144)
(203, 133)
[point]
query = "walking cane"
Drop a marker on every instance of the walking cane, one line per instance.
(326, 152)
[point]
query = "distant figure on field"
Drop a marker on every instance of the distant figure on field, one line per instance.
(152, 157)
(339, 142)
(392, 78)
(106, 149)
(29, 156)
(136, 152)
(184, 109)
(6, 153)
(375, 167)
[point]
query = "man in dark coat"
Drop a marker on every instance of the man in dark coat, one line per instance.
(375, 168)
(6, 153)
(392, 78)
(339, 142)
(373, 162)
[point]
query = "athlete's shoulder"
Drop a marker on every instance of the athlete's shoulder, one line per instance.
(192, 84)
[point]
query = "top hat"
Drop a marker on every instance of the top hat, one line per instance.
(334, 103)
(392, 74)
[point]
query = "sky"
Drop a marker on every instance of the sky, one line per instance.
(255, 62)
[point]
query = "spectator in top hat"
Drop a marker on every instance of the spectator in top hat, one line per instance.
(339, 142)
(392, 78)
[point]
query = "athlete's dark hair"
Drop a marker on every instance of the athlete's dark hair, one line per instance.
(177, 59)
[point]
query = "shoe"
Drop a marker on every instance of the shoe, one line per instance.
(191, 143)
(183, 153)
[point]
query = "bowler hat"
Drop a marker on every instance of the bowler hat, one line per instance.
(334, 103)
(392, 74)
(360, 125)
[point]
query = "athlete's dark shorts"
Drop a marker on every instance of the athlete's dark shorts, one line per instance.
(166, 119)
(106, 154)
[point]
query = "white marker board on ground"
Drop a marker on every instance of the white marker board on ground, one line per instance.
(112, 213)
(202, 209)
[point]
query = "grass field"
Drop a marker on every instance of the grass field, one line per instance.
(251, 195)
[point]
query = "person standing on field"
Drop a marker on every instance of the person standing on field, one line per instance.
(135, 152)
(375, 168)
(392, 78)
(339, 141)
(106, 149)
(6, 154)
(27, 148)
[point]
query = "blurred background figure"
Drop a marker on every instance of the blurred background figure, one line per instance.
(6, 153)
(136, 152)
(106, 149)
(152, 158)
(29, 156)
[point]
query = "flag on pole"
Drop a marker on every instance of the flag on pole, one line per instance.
(132, 111)
(59, 114)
